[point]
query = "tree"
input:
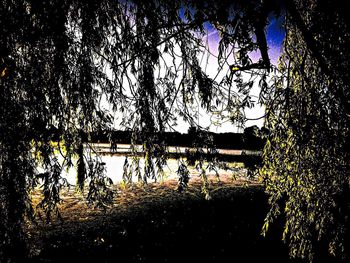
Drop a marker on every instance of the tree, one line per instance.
(60, 58)
(306, 159)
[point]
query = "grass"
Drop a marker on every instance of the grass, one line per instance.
(158, 224)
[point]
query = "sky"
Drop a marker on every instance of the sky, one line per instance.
(275, 35)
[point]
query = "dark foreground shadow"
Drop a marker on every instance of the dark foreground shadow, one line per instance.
(224, 229)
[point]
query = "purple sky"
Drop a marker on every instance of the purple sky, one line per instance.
(275, 36)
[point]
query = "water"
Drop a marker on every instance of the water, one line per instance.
(114, 164)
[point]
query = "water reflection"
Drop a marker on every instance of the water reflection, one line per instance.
(114, 163)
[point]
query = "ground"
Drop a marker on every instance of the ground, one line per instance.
(158, 224)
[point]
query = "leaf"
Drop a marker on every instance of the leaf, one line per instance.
(4, 72)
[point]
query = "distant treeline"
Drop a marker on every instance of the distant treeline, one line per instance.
(251, 139)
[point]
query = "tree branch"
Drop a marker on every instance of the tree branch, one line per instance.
(315, 52)
(259, 65)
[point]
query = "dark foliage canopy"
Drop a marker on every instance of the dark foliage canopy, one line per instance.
(63, 61)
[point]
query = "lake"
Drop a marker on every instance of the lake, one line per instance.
(114, 162)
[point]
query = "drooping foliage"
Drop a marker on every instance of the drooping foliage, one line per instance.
(306, 158)
(70, 68)
(62, 62)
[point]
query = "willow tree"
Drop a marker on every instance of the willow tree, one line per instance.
(306, 158)
(62, 61)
